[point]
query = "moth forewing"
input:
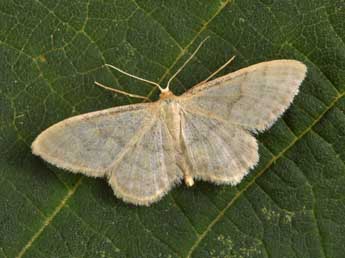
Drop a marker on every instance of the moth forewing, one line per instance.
(88, 143)
(253, 97)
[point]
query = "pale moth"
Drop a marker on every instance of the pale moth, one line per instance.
(206, 133)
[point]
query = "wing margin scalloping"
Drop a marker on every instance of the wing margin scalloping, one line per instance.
(89, 143)
(252, 97)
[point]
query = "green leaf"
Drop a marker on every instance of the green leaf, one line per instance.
(291, 205)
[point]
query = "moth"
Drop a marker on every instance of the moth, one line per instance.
(206, 133)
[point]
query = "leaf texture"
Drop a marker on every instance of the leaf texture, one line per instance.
(291, 204)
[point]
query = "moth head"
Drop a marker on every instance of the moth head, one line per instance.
(166, 94)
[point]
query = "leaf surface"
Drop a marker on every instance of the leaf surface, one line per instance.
(291, 205)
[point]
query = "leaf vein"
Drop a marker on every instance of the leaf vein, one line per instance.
(184, 213)
(155, 237)
(260, 173)
(94, 230)
(203, 28)
(49, 219)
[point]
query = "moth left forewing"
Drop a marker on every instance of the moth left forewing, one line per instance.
(253, 97)
(89, 143)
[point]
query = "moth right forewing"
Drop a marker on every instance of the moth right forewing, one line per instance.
(253, 97)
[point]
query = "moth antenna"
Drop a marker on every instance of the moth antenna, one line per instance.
(218, 70)
(135, 77)
(186, 62)
(122, 92)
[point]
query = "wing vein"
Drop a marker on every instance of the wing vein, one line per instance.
(135, 139)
